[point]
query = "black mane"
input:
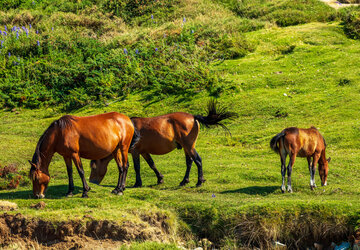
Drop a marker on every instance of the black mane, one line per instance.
(62, 123)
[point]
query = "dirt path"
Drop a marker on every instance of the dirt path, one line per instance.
(336, 4)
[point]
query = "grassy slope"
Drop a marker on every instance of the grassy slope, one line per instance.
(308, 62)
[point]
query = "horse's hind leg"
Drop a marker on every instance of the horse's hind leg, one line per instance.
(78, 164)
(70, 176)
(120, 156)
(197, 159)
(151, 163)
(283, 169)
(189, 162)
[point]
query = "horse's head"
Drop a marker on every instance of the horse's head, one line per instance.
(98, 171)
(323, 170)
(39, 179)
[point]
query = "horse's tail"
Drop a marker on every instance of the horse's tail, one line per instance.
(135, 138)
(215, 115)
(274, 142)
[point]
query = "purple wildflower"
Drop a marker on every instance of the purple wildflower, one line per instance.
(156, 49)
(152, 16)
(9, 54)
(33, 2)
(213, 195)
(52, 28)
(2, 44)
(125, 51)
(23, 27)
(27, 32)
(30, 26)
(0, 32)
(17, 34)
(37, 32)
(4, 33)
(38, 43)
(137, 51)
(5, 28)
(184, 19)
(192, 31)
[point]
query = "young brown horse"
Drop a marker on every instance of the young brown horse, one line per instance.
(161, 135)
(91, 137)
(300, 142)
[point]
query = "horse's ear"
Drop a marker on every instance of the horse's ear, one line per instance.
(329, 159)
(32, 164)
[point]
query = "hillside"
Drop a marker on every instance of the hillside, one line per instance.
(276, 63)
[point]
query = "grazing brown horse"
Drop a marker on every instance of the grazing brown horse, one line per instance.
(161, 135)
(91, 137)
(300, 142)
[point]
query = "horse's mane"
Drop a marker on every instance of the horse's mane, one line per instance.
(62, 123)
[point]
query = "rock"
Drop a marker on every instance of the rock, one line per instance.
(318, 246)
(8, 206)
(40, 205)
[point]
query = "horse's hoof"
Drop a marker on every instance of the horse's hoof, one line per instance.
(88, 189)
(120, 193)
(137, 185)
(160, 181)
(69, 194)
(283, 189)
(312, 188)
(184, 182)
(199, 183)
(84, 196)
(289, 190)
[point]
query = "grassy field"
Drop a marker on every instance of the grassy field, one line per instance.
(300, 76)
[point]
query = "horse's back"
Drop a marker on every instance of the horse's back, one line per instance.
(160, 135)
(304, 141)
(96, 136)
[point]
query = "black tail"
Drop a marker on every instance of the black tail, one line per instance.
(215, 116)
(274, 142)
(135, 138)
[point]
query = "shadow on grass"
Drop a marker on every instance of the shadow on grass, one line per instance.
(53, 192)
(254, 190)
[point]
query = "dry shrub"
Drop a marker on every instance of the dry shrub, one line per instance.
(10, 177)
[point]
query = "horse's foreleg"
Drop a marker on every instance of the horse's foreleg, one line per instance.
(151, 164)
(310, 170)
(189, 162)
(78, 164)
(313, 168)
(136, 160)
(289, 170)
(70, 176)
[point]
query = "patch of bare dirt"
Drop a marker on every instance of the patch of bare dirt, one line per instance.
(17, 231)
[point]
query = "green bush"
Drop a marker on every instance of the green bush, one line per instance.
(351, 22)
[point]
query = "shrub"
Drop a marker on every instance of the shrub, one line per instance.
(351, 22)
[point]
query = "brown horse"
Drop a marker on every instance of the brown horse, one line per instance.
(91, 137)
(161, 135)
(300, 142)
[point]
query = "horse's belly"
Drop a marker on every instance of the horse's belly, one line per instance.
(304, 153)
(156, 147)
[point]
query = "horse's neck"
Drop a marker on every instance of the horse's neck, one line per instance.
(323, 156)
(46, 153)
